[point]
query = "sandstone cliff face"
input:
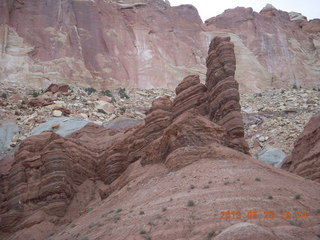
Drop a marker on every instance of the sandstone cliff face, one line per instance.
(287, 48)
(149, 44)
(99, 43)
(305, 157)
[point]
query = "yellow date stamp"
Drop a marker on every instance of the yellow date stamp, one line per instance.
(263, 215)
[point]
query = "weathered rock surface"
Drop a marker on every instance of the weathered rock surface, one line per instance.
(286, 48)
(271, 156)
(149, 44)
(305, 157)
(223, 91)
(8, 129)
(60, 87)
(139, 171)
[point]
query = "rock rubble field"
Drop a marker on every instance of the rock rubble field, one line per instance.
(273, 119)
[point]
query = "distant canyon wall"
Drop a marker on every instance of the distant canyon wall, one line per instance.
(149, 44)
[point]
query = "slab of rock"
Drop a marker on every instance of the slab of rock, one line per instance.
(8, 130)
(40, 102)
(66, 125)
(60, 87)
(56, 113)
(122, 123)
(271, 156)
(104, 107)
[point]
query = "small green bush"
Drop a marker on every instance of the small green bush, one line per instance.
(4, 95)
(210, 234)
(122, 110)
(122, 93)
(116, 218)
(294, 86)
(35, 93)
(119, 210)
(258, 179)
(90, 90)
(297, 196)
(190, 203)
(107, 93)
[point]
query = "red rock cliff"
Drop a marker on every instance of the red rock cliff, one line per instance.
(149, 44)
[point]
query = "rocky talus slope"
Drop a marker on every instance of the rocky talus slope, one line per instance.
(149, 44)
(276, 117)
(305, 157)
(183, 173)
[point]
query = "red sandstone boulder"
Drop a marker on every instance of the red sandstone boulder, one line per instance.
(40, 102)
(61, 87)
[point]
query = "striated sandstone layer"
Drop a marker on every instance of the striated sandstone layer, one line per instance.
(149, 44)
(171, 179)
(305, 157)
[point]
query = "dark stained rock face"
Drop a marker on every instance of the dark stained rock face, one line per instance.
(305, 157)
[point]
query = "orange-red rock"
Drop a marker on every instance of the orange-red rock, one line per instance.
(149, 44)
(305, 157)
(61, 87)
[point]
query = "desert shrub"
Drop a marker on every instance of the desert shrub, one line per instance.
(122, 93)
(4, 95)
(35, 93)
(108, 94)
(190, 203)
(297, 196)
(90, 90)
(119, 210)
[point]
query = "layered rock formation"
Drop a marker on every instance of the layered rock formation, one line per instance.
(305, 157)
(195, 139)
(48, 169)
(149, 44)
